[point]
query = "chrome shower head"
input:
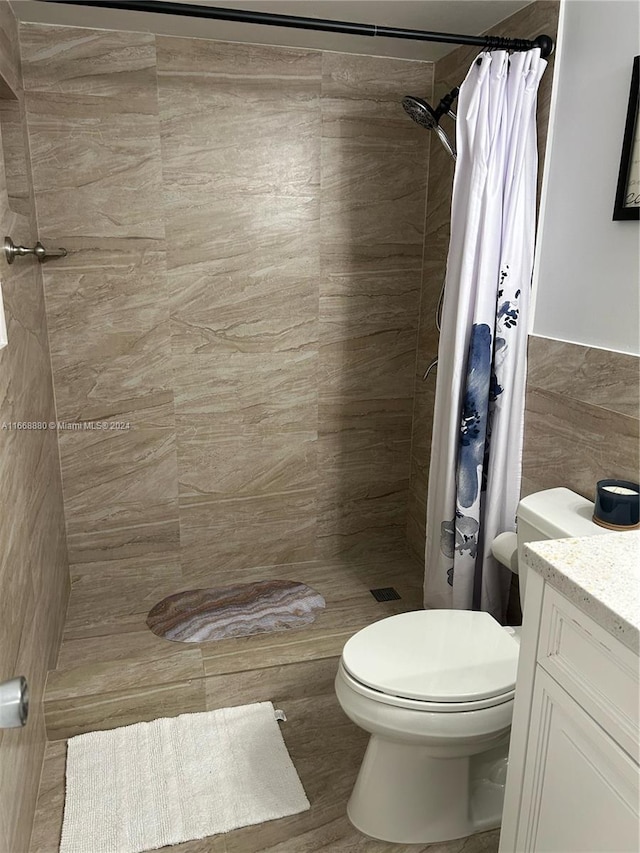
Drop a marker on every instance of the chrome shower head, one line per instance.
(424, 114)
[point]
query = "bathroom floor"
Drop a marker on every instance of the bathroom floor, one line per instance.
(113, 671)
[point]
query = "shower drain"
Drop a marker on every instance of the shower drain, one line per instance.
(385, 593)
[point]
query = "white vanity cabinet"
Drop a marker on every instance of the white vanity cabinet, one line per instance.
(573, 783)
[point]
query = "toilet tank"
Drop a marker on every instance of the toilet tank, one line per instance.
(552, 514)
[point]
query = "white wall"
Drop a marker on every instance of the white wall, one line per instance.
(587, 275)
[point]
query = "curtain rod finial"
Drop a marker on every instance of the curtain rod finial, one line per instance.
(546, 45)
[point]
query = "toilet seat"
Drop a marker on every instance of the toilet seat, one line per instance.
(434, 660)
(421, 704)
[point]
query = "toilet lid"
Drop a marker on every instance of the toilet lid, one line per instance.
(434, 655)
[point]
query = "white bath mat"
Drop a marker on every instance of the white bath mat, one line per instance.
(145, 786)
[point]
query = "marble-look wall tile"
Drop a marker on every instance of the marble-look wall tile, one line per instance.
(114, 543)
(33, 557)
(582, 420)
(94, 168)
(95, 144)
(14, 150)
(608, 380)
(374, 172)
(417, 506)
(120, 592)
(87, 62)
(219, 537)
(373, 163)
(254, 73)
(365, 473)
(360, 526)
(243, 272)
(268, 236)
(257, 511)
(369, 323)
(364, 460)
(17, 588)
(372, 459)
(10, 70)
(120, 489)
(373, 196)
(108, 318)
(242, 225)
(209, 464)
(247, 392)
(244, 90)
(94, 133)
(366, 87)
(93, 494)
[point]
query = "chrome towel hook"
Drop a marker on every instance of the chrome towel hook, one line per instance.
(11, 251)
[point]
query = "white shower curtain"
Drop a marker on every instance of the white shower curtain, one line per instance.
(474, 479)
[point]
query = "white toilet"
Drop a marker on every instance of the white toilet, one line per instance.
(435, 688)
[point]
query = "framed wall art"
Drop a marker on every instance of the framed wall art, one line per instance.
(627, 204)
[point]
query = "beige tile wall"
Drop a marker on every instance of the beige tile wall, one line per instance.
(582, 417)
(246, 226)
(536, 18)
(240, 129)
(374, 172)
(34, 579)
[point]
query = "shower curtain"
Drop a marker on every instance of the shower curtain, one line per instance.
(475, 473)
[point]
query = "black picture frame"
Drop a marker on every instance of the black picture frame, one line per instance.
(621, 209)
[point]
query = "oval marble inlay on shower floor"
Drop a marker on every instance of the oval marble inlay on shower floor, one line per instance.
(198, 615)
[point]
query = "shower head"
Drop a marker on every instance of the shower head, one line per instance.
(424, 114)
(420, 111)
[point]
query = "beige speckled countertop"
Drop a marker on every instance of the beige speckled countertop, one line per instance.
(599, 574)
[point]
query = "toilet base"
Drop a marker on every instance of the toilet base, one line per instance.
(405, 796)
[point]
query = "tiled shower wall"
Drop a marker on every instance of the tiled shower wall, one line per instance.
(245, 226)
(34, 578)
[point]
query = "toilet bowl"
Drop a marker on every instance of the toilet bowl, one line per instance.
(434, 689)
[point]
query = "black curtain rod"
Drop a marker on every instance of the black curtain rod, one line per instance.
(545, 43)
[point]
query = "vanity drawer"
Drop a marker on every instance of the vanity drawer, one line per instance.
(596, 669)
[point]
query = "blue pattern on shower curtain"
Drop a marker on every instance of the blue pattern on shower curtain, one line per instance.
(481, 390)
